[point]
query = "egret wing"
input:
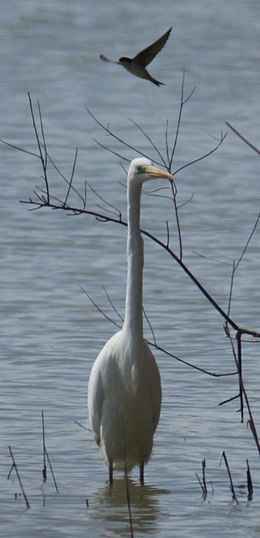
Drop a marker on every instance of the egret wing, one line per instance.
(154, 383)
(101, 378)
(95, 401)
(147, 55)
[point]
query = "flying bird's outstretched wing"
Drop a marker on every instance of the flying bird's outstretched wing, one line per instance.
(147, 55)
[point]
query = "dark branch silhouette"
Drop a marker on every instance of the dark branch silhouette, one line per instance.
(43, 198)
(243, 138)
(14, 466)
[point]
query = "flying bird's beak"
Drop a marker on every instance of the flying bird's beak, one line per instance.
(153, 171)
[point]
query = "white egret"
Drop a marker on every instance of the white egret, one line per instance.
(137, 65)
(124, 389)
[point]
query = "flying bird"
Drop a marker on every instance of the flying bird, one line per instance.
(137, 65)
(124, 389)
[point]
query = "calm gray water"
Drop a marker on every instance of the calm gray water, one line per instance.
(50, 331)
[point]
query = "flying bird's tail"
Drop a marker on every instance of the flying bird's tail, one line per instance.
(157, 82)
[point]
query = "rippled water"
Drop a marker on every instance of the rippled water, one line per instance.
(51, 333)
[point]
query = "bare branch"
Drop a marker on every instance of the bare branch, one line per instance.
(14, 466)
(46, 455)
(107, 148)
(230, 477)
(194, 161)
(43, 136)
(112, 305)
(243, 138)
(152, 343)
(203, 483)
(115, 211)
(67, 181)
(236, 264)
(176, 212)
(163, 161)
(242, 391)
(43, 198)
(43, 157)
(100, 309)
(248, 241)
(183, 102)
(19, 148)
(250, 489)
(71, 178)
(115, 137)
(106, 218)
(240, 374)
(150, 326)
(168, 233)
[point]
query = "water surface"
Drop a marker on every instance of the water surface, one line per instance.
(51, 333)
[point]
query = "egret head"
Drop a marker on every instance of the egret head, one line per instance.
(142, 169)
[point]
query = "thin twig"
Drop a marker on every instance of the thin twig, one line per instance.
(71, 178)
(252, 426)
(52, 472)
(112, 305)
(81, 426)
(203, 483)
(231, 399)
(237, 354)
(250, 489)
(115, 137)
(248, 241)
(167, 233)
(167, 141)
(194, 161)
(150, 141)
(128, 498)
(251, 421)
(39, 144)
(100, 309)
(14, 466)
(232, 278)
(236, 264)
(45, 200)
(43, 136)
(240, 374)
(150, 326)
(115, 210)
(19, 148)
(242, 391)
(114, 152)
(129, 503)
(229, 476)
(174, 198)
(67, 181)
(45, 452)
(204, 475)
(161, 244)
(44, 470)
(183, 102)
(243, 138)
(154, 343)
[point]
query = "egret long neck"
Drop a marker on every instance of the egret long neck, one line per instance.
(133, 323)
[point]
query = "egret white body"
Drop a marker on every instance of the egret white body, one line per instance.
(124, 390)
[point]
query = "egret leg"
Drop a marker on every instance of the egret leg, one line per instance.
(110, 474)
(141, 468)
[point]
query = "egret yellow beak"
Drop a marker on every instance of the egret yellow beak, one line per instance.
(153, 171)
